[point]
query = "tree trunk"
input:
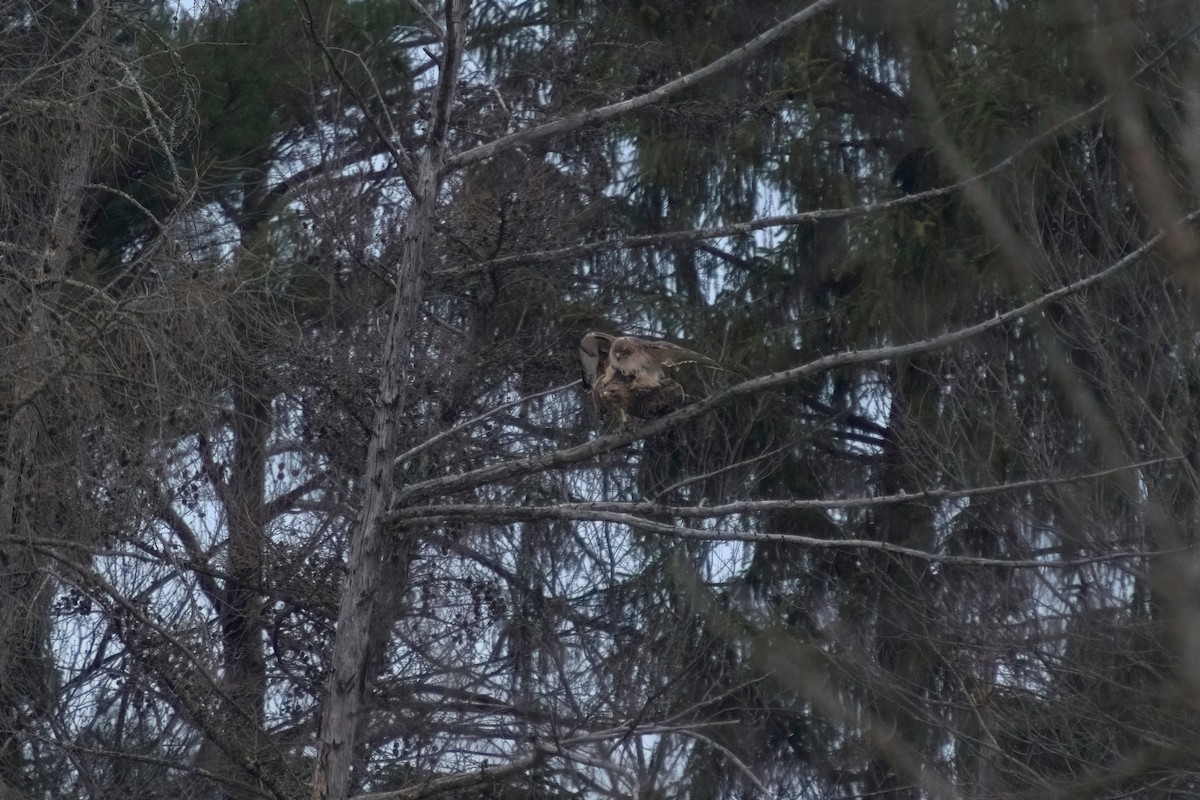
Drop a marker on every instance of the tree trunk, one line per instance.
(908, 590)
(348, 678)
(45, 222)
(242, 614)
(244, 745)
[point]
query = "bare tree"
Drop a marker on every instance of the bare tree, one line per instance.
(52, 118)
(295, 444)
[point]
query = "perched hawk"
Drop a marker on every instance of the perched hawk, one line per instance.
(626, 373)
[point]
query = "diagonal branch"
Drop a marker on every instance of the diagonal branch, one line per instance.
(404, 162)
(605, 444)
(191, 697)
(784, 220)
(430, 442)
(595, 115)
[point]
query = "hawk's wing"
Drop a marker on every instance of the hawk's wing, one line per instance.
(593, 355)
(635, 355)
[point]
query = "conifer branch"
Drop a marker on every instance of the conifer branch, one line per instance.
(593, 116)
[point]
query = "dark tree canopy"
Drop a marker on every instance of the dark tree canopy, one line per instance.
(301, 493)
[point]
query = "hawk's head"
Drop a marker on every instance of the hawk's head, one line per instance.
(622, 348)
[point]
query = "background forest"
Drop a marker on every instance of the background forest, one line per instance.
(301, 496)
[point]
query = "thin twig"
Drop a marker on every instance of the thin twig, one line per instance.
(433, 23)
(428, 443)
(403, 161)
(731, 756)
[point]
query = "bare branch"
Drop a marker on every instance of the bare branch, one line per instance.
(434, 25)
(595, 115)
(428, 443)
(404, 162)
(576, 513)
(190, 699)
(605, 444)
(742, 767)
(759, 506)
(452, 49)
(816, 215)
(463, 780)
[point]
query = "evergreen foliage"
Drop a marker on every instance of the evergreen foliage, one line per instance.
(961, 568)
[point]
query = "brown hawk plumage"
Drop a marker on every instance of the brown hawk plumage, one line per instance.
(626, 373)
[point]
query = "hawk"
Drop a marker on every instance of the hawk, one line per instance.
(626, 373)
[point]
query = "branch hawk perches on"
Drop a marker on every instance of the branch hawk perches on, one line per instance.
(626, 373)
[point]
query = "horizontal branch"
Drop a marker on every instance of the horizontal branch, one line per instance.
(578, 513)
(560, 458)
(461, 780)
(759, 506)
(518, 764)
(700, 234)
